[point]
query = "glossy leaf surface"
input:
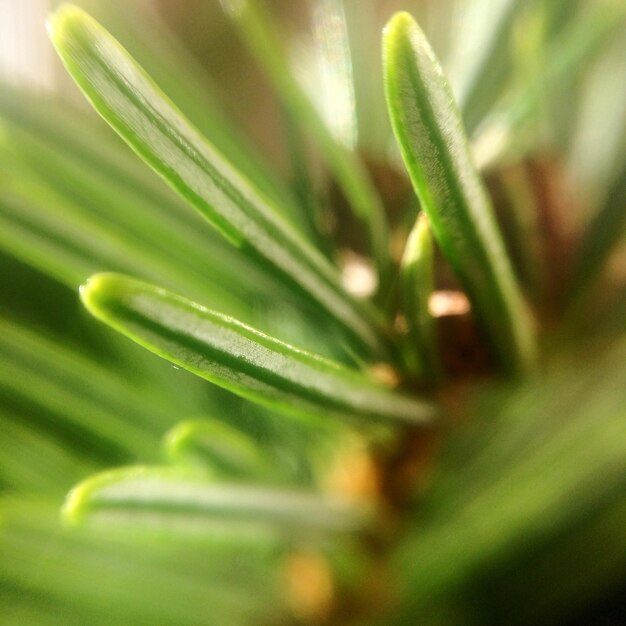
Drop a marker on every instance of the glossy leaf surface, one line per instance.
(135, 107)
(435, 151)
(241, 359)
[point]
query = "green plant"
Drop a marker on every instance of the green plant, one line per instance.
(359, 460)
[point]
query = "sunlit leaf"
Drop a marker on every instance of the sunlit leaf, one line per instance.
(123, 94)
(241, 359)
(434, 147)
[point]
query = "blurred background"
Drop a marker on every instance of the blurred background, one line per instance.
(541, 87)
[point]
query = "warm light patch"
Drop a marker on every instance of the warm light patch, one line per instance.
(400, 324)
(355, 476)
(443, 303)
(385, 374)
(309, 585)
(490, 144)
(357, 275)
(617, 266)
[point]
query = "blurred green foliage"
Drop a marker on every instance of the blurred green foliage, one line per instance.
(298, 500)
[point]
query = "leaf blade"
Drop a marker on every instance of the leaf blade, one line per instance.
(130, 578)
(168, 494)
(152, 126)
(428, 129)
(218, 446)
(418, 282)
(241, 359)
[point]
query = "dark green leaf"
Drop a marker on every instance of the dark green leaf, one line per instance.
(533, 464)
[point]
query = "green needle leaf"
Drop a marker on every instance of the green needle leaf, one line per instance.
(256, 29)
(418, 282)
(186, 80)
(134, 106)
(217, 446)
(241, 359)
(91, 429)
(68, 241)
(169, 497)
(428, 129)
(132, 233)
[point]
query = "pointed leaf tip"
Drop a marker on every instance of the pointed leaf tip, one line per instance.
(99, 293)
(402, 20)
(67, 19)
(435, 150)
